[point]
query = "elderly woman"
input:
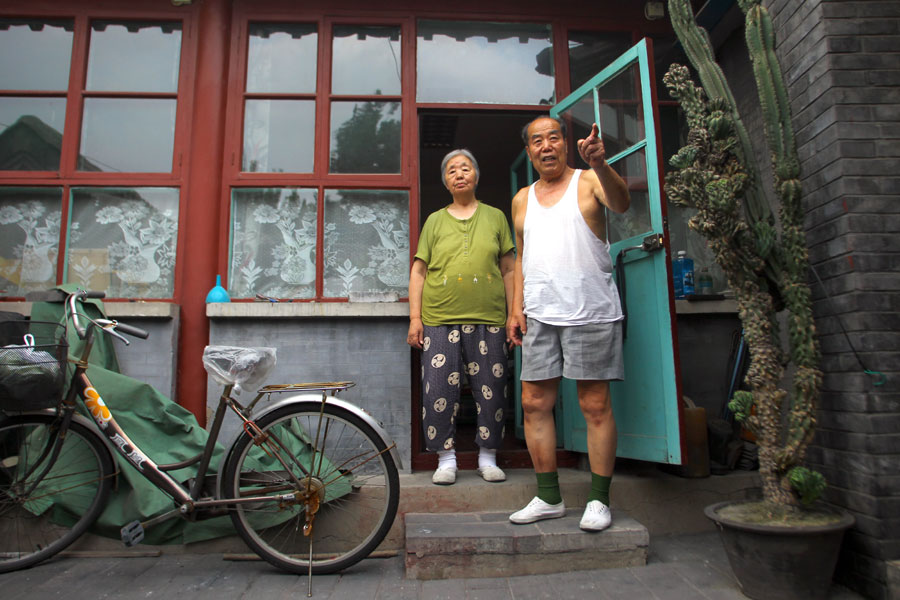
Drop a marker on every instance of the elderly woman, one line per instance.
(460, 293)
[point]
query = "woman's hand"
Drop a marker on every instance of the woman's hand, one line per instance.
(416, 335)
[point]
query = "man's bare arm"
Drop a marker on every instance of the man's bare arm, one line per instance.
(609, 188)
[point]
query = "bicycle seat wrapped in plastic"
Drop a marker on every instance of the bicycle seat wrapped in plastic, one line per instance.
(240, 367)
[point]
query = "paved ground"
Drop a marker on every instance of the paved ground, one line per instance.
(688, 567)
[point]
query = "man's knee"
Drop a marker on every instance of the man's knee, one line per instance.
(538, 398)
(595, 400)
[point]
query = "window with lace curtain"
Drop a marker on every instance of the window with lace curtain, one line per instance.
(71, 209)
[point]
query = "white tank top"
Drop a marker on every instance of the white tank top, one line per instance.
(567, 269)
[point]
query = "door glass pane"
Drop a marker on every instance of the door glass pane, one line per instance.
(31, 133)
(621, 112)
(499, 63)
(123, 241)
(27, 43)
(366, 242)
(279, 136)
(134, 56)
(365, 60)
(29, 238)
(636, 220)
(579, 119)
(365, 137)
(281, 58)
(591, 51)
(273, 242)
(129, 134)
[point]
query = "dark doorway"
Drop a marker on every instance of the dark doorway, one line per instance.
(494, 139)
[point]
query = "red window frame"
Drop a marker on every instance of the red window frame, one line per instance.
(67, 177)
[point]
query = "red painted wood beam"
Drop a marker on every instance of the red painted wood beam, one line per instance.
(202, 204)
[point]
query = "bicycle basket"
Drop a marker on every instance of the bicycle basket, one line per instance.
(32, 364)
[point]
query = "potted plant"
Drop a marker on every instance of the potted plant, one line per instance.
(766, 263)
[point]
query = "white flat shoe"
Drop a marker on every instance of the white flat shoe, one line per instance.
(596, 516)
(492, 474)
(536, 510)
(444, 477)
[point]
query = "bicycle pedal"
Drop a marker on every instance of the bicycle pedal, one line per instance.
(132, 534)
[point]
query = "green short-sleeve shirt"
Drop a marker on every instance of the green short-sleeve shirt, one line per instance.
(463, 284)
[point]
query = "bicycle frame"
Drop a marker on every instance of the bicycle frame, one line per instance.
(187, 499)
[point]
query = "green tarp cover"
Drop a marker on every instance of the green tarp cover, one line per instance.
(163, 430)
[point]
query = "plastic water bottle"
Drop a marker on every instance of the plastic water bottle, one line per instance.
(704, 281)
(683, 275)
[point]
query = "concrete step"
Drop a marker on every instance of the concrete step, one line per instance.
(486, 544)
(663, 503)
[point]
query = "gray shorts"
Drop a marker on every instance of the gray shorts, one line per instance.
(591, 352)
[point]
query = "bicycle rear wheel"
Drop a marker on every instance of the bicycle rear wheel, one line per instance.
(348, 488)
(37, 523)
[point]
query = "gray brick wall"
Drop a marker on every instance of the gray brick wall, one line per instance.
(154, 360)
(371, 352)
(842, 65)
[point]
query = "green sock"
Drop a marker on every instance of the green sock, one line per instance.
(548, 487)
(599, 488)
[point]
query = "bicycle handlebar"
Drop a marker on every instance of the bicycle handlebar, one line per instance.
(114, 326)
(132, 330)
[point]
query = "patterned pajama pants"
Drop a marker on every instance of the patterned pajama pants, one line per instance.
(480, 350)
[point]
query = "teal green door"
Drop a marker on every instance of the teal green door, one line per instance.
(646, 404)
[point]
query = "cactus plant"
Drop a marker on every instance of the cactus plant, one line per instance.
(765, 262)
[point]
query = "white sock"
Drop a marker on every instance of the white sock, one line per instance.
(447, 459)
(487, 458)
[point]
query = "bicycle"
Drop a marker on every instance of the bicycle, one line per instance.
(310, 482)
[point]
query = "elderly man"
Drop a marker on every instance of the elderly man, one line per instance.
(566, 313)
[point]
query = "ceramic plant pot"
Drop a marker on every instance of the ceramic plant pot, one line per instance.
(778, 562)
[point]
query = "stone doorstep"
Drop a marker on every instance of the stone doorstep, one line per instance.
(486, 544)
(663, 503)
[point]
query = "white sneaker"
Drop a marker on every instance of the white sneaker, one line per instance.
(536, 510)
(492, 474)
(596, 516)
(444, 476)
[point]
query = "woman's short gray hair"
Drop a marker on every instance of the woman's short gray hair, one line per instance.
(457, 152)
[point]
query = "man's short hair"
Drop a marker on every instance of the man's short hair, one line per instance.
(560, 122)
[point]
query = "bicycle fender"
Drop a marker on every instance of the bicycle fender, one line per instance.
(306, 399)
(349, 406)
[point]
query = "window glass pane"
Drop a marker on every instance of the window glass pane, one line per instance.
(365, 60)
(279, 136)
(365, 137)
(636, 220)
(273, 242)
(31, 133)
(123, 241)
(134, 56)
(27, 43)
(621, 112)
(281, 58)
(366, 242)
(29, 238)
(592, 51)
(468, 61)
(129, 134)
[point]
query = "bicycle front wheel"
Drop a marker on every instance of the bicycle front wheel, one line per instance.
(343, 479)
(45, 507)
